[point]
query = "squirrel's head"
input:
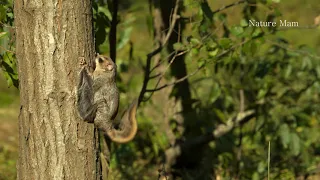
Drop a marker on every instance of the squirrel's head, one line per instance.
(104, 63)
(104, 67)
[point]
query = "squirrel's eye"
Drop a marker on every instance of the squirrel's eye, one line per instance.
(100, 60)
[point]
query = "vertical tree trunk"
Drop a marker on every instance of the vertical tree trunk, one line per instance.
(113, 30)
(178, 67)
(181, 91)
(53, 142)
(169, 108)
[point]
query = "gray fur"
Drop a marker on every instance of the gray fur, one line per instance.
(98, 101)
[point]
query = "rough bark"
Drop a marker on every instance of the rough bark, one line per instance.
(53, 142)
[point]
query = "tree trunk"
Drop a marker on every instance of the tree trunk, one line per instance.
(54, 143)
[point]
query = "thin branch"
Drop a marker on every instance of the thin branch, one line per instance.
(177, 81)
(197, 70)
(7, 50)
(241, 118)
(166, 69)
(228, 6)
(222, 129)
(191, 19)
(293, 50)
(159, 63)
(7, 26)
(175, 16)
(186, 77)
(155, 76)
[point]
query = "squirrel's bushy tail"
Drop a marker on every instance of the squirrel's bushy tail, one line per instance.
(127, 128)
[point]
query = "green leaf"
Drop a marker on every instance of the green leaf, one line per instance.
(150, 25)
(257, 32)
(220, 114)
(105, 11)
(255, 176)
(273, 1)
(3, 34)
(250, 48)
(261, 93)
(213, 53)
(237, 30)
(178, 46)
(288, 72)
(155, 148)
(303, 116)
(124, 38)
(211, 46)
(261, 166)
(9, 60)
(221, 16)
(253, 48)
(201, 62)
(281, 91)
(194, 41)
(295, 144)
(260, 122)
(215, 93)
(9, 79)
(3, 13)
(225, 43)
(284, 133)
(306, 63)
(318, 71)
(244, 23)
(194, 51)
(10, 15)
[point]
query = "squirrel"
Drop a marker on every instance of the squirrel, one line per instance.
(98, 101)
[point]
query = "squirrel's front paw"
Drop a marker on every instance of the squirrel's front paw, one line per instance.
(82, 62)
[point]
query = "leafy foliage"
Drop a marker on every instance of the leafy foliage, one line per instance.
(279, 81)
(7, 59)
(102, 18)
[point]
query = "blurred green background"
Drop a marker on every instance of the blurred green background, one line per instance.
(9, 111)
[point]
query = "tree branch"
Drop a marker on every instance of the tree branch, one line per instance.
(222, 129)
(156, 51)
(228, 6)
(192, 18)
(164, 72)
(174, 16)
(197, 70)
